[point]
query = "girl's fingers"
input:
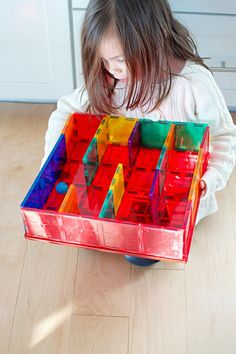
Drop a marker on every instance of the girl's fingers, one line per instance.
(203, 187)
(202, 184)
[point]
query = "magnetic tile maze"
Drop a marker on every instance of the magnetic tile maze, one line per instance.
(131, 171)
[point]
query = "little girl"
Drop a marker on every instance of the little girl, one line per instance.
(139, 61)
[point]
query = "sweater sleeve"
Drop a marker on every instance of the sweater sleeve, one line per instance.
(211, 109)
(76, 102)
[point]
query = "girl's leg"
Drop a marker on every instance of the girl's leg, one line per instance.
(142, 262)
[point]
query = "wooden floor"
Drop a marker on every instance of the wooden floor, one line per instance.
(57, 299)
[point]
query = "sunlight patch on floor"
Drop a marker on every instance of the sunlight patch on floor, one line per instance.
(49, 324)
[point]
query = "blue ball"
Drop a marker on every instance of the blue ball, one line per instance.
(62, 187)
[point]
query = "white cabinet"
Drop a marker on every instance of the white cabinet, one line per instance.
(78, 7)
(78, 16)
(36, 55)
(213, 26)
(215, 36)
(204, 6)
(79, 4)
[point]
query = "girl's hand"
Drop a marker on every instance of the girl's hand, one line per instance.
(203, 187)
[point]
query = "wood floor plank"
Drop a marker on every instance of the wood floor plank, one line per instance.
(211, 282)
(44, 306)
(99, 335)
(157, 316)
(12, 253)
(21, 133)
(22, 147)
(102, 284)
(4, 113)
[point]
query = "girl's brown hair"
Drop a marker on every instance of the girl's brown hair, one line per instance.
(149, 36)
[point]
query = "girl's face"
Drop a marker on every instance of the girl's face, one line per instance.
(113, 58)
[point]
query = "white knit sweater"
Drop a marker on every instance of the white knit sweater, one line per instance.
(194, 97)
